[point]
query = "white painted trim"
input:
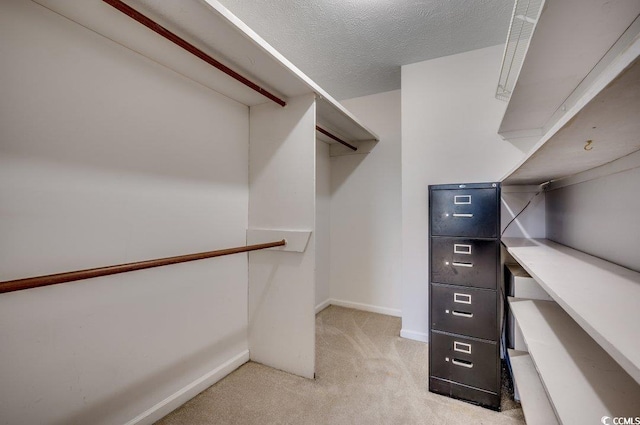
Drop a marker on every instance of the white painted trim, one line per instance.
(414, 335)
(324, 304)
(367, 307)
(185, 394)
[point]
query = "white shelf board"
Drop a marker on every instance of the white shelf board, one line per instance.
(213, 29)
(602, 297)
(330, 114)
(582, 381)
(334, 118)
(608, 116)
(535, 403)
(570, 40)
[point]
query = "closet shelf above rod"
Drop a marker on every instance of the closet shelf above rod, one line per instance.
(159, 29)
(199, 31)
(54, 279)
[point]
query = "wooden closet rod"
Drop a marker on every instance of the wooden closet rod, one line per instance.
(54, 279)
(336, 138)
(154, 26)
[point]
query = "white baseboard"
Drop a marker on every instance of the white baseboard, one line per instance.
(367, 307)
(324, 304)
(416, 336)
(185, 394)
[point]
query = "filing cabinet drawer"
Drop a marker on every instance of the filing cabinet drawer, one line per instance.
(464, 360)
(464, 310)
(464, 392)
(459, 261)
(464, 212)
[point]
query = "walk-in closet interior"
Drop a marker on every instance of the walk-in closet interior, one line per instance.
(130, 148)
(179, 199)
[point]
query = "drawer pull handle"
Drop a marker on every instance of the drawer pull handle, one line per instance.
(461, 298)
(457, 264)
(462, 363)
(462, 347)
(459, 248)
(463, 215)
(462, 199)
(462, 314)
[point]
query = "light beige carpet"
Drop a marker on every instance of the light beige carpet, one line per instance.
(365, 374)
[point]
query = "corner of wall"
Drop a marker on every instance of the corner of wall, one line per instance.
(191, 390)
(415, 335)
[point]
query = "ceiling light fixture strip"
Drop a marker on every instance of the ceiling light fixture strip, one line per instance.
(159, 29)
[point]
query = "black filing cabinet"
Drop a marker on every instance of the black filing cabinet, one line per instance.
(465, 297)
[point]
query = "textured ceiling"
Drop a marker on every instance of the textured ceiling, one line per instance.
(353, 48)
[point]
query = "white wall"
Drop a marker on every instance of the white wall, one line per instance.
(449, 122)
(107, 158)
(599, 216)
(282, 173)
(323, 224)
(522, 212)
(365, 213)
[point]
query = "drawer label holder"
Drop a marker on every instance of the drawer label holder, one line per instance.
(460, 248)
(462, 199)
(461, 298)
(462, 347)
